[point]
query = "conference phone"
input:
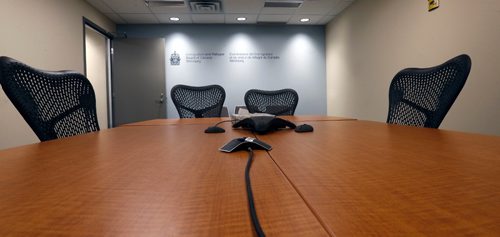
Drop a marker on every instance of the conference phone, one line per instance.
(243, 143)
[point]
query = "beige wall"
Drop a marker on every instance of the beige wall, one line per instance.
(46, 34)
(374, 39)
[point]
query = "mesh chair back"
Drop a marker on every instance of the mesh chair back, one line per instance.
(279, 102)
(422, 96)
(198, 102)
(54, 104)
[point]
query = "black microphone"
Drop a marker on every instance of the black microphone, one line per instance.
(216, 129)
(304, 128)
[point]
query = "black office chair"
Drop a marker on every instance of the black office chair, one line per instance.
(422, 96)
(198, 102)
(279, 102)
(55, 104)
(224, 112)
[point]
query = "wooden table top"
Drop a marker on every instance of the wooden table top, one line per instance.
(347, 178)
(365, 178)
(145, 181)
(185, 121)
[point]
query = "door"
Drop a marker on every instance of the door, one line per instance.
(138, 80)
(96, 69)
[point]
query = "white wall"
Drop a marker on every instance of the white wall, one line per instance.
(45, 34)
(297, 61)
(372, 40)
(96, 50)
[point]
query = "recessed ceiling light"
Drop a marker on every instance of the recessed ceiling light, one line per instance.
(174, 18)
(241, 18)
(305, 20)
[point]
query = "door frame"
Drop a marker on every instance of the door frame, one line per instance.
(109, 46)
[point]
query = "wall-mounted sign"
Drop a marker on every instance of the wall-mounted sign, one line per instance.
(175, 59)
(433, 4)
(242, 57)
(202, 57)
(232, 57)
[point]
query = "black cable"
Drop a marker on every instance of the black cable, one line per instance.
(253, 213)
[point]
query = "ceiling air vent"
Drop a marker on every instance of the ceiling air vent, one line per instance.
(284, 3)
(207, 6)
(164, 3)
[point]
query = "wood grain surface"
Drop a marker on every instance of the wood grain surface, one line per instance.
(145, 181)
(183, 121)
(372, 179)
(211, 121)
(309, 118)
(347, 178)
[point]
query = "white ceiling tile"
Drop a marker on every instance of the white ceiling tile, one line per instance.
(136, 12)
(339, 7)
(127, 6)
(99, 5)
(278, 10)
(115, 18)
(179, 10)
(313, 19)
(243, 6)
(317, 7)
(273, 18)
(208, 18)
(183, 18)
(231, 19)
(326, 19)
(139, 18)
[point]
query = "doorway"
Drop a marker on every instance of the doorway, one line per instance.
(97, 45)
(138, 80)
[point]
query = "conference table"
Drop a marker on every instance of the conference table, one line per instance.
(167, 178)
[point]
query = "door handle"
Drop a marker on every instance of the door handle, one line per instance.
(160, 101)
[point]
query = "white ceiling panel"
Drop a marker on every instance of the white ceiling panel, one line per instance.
(231, 19)
(208, 18)
(139, 18)
(115, 18)
(243, 6)
(339, 7)
(136, 12)
(313, 20)
(183, 18)
(273, 18)
(127, 6)
(178, 9)
(325, 20)
(278, 10)
(101, 6)
(317, 7)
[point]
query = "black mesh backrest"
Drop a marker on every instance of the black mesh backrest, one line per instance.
(54, 104)
(198, 102)
(422, 96)
(279, 102)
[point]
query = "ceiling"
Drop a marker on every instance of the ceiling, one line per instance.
(319, 12)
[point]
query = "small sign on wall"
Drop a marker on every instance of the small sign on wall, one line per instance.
(433, 4)
(175, 59)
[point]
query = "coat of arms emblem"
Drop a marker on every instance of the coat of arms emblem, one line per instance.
(175, 59)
